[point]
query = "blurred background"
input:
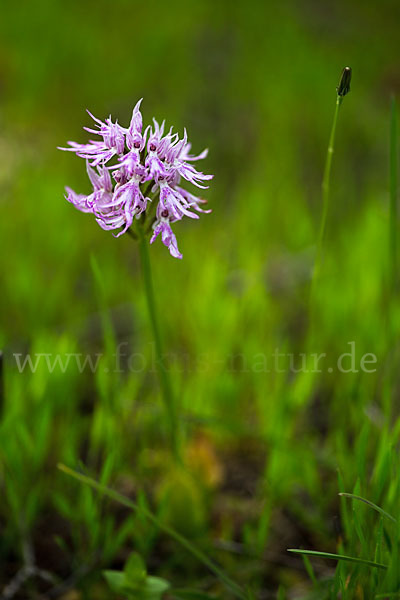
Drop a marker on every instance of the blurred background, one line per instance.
(255, 82)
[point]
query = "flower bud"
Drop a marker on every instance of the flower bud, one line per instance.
(344, 83)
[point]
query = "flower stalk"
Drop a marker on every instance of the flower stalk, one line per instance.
(162, 369)
(393, 195)
(326, 188)
(341, 91)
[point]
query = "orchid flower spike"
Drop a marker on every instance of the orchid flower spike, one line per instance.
(142, 161)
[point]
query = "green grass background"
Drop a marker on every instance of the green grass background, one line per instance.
(255, 83)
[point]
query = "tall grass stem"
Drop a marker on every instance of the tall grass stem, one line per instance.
(325, 199)
(393, 194)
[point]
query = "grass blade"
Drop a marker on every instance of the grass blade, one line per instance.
(196, 552)
(371, 504)
(329, 555)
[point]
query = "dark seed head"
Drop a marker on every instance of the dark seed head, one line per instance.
(344, 84)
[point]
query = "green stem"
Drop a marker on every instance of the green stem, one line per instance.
(325, 198)
(162, 369)
(393, 194)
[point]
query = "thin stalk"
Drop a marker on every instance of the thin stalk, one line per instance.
(393, 194)
(162, 369)
(325, 197)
